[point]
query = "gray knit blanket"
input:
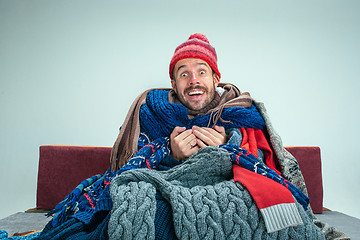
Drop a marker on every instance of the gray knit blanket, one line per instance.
(206, 203)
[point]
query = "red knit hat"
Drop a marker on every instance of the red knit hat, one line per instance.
(197, 46)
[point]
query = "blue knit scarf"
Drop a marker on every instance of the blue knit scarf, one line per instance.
(158, 117)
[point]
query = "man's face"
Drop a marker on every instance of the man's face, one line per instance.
(194, 83)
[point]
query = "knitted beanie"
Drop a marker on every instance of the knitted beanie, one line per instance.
(197, 46)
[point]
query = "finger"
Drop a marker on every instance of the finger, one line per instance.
(189, 136)
(217, 132)
(220, 134)
(211, 137)
(220, 130)
(191, 141)
(183, 141)
(179, 147)
(192, 151)
(200, 143)
(177, 131)
(204, 135)
(186, 136)
(178, 135)
(188, 144)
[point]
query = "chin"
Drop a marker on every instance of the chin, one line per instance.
(196, 107)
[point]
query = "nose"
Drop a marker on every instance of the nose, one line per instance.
(194, 79)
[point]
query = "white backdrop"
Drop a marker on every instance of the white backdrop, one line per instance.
(69, 71)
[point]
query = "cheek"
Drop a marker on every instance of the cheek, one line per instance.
(180, 87)
(176, 87)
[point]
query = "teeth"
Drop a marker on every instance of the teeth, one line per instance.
(195, 92)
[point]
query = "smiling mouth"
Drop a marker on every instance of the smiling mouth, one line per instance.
(196, 92)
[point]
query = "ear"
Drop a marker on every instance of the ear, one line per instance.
(216, 79)
(173, 85)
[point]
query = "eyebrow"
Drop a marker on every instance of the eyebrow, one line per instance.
(182, 66)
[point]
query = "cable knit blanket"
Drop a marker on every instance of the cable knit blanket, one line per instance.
(206, 203)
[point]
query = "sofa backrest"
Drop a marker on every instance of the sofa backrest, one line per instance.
(62, 168)
(309, 159)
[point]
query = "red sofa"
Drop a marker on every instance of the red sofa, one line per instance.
(62, 168)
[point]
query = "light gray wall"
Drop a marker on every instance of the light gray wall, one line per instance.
(69, 71)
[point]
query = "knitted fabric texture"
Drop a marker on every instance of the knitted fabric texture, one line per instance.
(248, 161)
(164, 225)
(88, 198)
(151, 155)
(74, 229)
(100, 185)
(197, 46)
(290, 168)
(92, 195)
(125, 145)
(4, 235)
(237, 155)
(158, 116)
(206, 203)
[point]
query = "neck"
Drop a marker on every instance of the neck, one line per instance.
(193, 113)
(214, 103)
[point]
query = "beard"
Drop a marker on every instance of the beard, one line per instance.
(197, 105)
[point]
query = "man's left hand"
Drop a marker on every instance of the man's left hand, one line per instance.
(209, 136)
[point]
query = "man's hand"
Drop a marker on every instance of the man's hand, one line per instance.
(208, 136)
(183, 143)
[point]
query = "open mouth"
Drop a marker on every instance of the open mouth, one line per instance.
(196, 92)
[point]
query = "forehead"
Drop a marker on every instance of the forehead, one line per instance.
(190, 63)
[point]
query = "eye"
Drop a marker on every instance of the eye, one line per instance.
(184, 75)
(202, 72)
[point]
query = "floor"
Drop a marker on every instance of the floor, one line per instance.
(345, 223)
(27, 221)
(24, 222)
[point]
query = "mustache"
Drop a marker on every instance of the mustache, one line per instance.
(195, 88)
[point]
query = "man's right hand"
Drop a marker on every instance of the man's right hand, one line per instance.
(182, 143)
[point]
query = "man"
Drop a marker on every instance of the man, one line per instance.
(189, 162)
(194, 81)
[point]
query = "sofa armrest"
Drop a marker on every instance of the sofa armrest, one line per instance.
(309, 160)
(62, 168)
